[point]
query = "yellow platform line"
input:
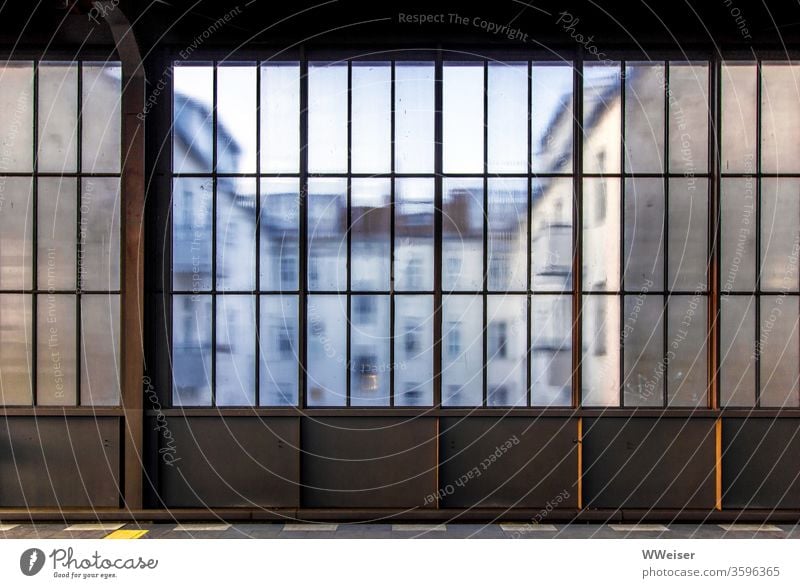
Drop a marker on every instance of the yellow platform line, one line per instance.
(126, 534)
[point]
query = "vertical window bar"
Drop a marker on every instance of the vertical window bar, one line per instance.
(715, 138)
(577, 222)
(620, 287)
(349, 197)
(485, 286)
(665, 243)
(392, 182)
(35, 239)
(437, 236)
(529, 297)
(757, 298)
(214, 121)
(257, 241)
(303, 237)
(78, 242)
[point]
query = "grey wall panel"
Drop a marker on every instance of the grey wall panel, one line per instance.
(761, 463)
(368, 462)
(228, 462)
(508, 462)
(649, 463)
(59, 462)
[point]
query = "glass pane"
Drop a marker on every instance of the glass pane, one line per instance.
(688, 117)
(462, 117)
(99, 253)
(326, 376)
(235, 353)
(55, 248)
(100, 365)
(413, 351)
(191, 349)
(462, 351)
(192, 233)
(192, 116)
(601, 234)
(643, 343)
(327, 117)
(551, 117)
(56, 356)
(602, 119)
(551, 234)
(644, 117)
(370, 246)
(236, 118)
(507, 361)
(280, 117)
(372, 117)
(780, 233)
(462, 234)
(413, 234)
(58, 117)
(551, 351)
(370, 361)
(280, 354)
(601, 342)
(414, 111)
(327, 234)
(688, 233)
(780, 118)
(280, 233)
(16, 124)
(508, 105)
(737, 351)
(15, 349)
(738, 118)
(16, 233)
(644, 234)
(687, 358)
(100, 141)
(508, 234)
(778, 351)
(738, 235)
(236, 234)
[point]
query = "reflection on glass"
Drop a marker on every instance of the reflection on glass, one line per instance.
(413, 234)
(15, 349)
(236, 118)
(370, 362)
(191, 350)
(737, 351)
(688, 117)
(235, 352)
(738, 247)
(462, 350)
(99, 248)
(688, 233)
(738, 118)
(644, 234)
(56, 357)
(507, 92)
(16, 124)
(780, 233)
(601, 342)
(551, 234)
(508, 232)
(236, 234)
(506, 358)
(778, 347)
(279, 351)
(280, 233)
(462, 117)
(551, 117)
(327, 117)
(462, 234)
(780, 118)
(327, 234)
(551, 351)
(16, 236)
(644, 117)
(100, 365)
(414, 111)
(601, 233)
(370, 240)
(687, 382)
(101, 138)
(192, 238)
(602, 119)
(280, 117)
(643, 343)
(55, 243)
(57, 117)
(413, 350)
(372, 117)
(326, 377)
(193, 118)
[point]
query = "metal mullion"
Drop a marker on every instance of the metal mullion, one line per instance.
(214, 237)
(621, 284)
(78, 241)
(529, 256)
(665, 257)
(302, 240)
(391, 236)
(437, 239)
(257, 240)
(485, 323)
(757, 297)
(577, 230)
(35, 238)
(348, 196)
(714, 216)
